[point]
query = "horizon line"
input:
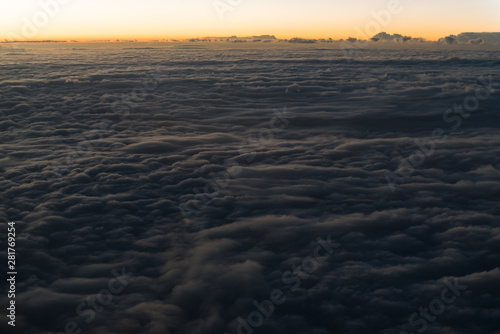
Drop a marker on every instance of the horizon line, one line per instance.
(213, 38)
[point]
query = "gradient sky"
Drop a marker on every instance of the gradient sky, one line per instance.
(104, 19)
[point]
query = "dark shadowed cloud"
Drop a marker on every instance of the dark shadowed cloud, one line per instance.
(95, 183)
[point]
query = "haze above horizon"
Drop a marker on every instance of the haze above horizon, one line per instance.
(154, 19)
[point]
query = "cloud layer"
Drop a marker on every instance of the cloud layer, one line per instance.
(100, 146)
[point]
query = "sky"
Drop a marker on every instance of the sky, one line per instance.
(84, 19)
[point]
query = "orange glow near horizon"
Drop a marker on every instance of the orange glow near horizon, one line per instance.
(157, 20)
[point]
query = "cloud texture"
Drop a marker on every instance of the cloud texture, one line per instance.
(100, 146)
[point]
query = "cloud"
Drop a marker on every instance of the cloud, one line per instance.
(92, 191)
